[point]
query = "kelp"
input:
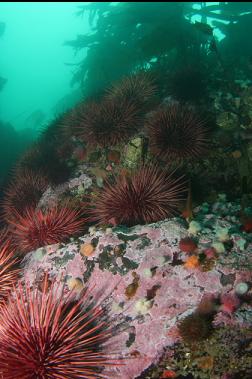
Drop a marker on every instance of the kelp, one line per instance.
(126, 37)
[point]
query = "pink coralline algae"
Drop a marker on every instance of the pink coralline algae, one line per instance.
(76, 266)
(165, 291)
(76, 185)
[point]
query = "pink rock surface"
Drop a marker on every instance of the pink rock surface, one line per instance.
(166, 291)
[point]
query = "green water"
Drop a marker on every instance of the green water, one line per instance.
(34, 63)
(55, 54)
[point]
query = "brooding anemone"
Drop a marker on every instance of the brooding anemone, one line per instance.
(44, 335)
(105, 124)
(139, 89)
(148, 195)
(176, 133)
(35, 228)
(9, 271)
(24, 190)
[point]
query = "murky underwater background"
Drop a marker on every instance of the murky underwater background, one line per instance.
(125, 166)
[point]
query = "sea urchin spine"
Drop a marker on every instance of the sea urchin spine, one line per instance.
(148, 195)
(139, 89)
(24, 190)
(8, 271)
(106, 123)
(45, 335)
(37, 228)
(177, 132)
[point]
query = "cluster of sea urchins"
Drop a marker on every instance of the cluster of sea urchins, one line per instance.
(147, 195)
(177, 132)
(116, 117)
(46, 335)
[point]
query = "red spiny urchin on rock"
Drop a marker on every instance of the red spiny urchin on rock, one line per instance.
(45, 335)
(53, 132)
(25, 190)
(148, 195)
(37, 228)
(106, 123)
(138, 88)
(44, 157)
(9, 271)
(176, 133)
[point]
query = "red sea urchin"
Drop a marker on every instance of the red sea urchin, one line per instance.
(45, 335)
(148, 195)
(24, 190)
(45, 156)
(106, 123)
(37, 228)
(8, 270)
(138, 88)
(176, 132)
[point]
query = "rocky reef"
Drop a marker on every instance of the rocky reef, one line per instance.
(126, 228)
(152, 277)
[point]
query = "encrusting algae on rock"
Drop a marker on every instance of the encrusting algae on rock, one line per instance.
(135, 282)
(132, 288)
